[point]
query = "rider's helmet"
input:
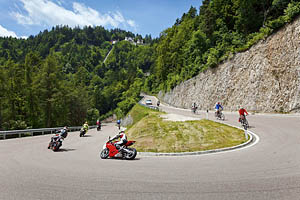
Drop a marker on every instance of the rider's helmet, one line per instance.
(66, 128)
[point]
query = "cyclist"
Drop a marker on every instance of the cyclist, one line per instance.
(242, 113)
(119, 123)
(218, 108)
(194, 107)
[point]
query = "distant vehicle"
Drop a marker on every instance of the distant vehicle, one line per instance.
(148, 102)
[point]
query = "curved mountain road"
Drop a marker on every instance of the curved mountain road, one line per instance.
(268, 170)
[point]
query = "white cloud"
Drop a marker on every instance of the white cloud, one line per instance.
(6, 33)
(131, 23)
(48, 13)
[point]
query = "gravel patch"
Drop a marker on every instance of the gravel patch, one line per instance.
(175, 117)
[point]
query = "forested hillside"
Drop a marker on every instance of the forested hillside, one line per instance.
(200, 40)
(59, 77)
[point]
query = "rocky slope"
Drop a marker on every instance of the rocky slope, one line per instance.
(266, 78)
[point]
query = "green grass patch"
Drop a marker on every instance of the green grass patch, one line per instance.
(138, 112)
(154, 134)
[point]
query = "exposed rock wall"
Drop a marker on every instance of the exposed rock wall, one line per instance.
(266, 78)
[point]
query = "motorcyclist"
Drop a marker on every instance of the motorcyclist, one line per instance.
(242, 113)
(218, 108)
(85, 127)
(98, 124)
(123, 139)
(62, 134)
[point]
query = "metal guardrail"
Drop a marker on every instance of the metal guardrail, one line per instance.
(42, 131)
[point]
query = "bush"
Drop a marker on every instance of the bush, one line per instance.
(292, 11)
(92, 116)
(15, 125)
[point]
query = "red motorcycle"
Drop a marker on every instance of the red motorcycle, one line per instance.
(110, 150)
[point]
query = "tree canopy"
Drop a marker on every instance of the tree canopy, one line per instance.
(59, 76)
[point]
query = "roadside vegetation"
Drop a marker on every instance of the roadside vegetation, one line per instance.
(200, 40)
(154, 134)
(59, 76)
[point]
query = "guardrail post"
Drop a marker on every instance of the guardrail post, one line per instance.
(20, 134)
(4, 136)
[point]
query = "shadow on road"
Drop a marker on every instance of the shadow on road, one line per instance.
(87, 136)
(65, 150)
(123, 159)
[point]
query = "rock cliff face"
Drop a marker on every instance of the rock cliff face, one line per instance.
(266, 78)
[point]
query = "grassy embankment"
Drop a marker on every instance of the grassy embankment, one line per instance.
(154, 134)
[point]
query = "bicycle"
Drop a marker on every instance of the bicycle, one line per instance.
(219, 115)
(194, 109)
(244, 122)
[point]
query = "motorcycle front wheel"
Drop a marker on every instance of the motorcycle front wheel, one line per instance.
(131, 154)
(104, 153)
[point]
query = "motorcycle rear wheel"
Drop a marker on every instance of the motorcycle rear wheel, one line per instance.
(131, 155)
(104, 153)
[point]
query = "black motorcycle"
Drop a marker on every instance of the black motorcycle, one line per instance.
(99, 127)
(56, 142)
(82, 132)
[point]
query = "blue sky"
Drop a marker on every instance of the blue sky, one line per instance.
(22, 18)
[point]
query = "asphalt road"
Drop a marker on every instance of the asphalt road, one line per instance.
(268, 170)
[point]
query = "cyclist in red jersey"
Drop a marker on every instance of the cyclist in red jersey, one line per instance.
(242, 113)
